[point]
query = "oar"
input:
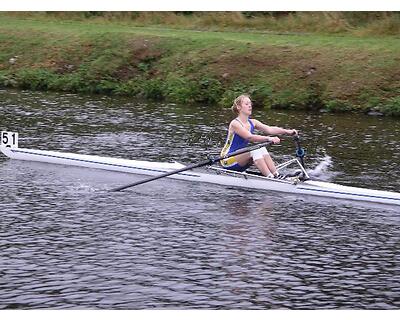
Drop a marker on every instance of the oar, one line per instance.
(209, 161)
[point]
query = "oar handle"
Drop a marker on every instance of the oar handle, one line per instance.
(193, 166)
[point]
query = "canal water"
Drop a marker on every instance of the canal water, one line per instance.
(67, 243)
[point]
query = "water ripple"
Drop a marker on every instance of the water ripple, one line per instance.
(66, 243)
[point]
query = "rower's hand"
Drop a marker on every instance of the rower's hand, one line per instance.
(274, 140)
(292, 132)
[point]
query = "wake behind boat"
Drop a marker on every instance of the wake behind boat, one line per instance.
(297, 184)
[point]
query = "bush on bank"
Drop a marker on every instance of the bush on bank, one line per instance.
(181, 90)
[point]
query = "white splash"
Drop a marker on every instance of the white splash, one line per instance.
(322, 168)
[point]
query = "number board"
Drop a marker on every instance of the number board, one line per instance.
(9, 139)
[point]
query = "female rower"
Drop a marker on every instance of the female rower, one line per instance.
(241, 132)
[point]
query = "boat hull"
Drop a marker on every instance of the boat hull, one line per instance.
(223, 177)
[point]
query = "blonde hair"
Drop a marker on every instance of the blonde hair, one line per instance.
(237, 102)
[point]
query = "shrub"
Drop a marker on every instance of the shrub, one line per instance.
(261, 95)
(287, 99)
(106, 86)
(226, 100)
(390, 107)
(208, 90)
(153, 89)
(7, 80)
(130, 88)
(337, 106)
(182, 90)
(36, 79)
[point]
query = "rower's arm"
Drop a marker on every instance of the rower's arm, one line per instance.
(272, 130)
(238, 129)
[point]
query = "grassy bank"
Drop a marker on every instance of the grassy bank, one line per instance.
(351, 23)
(309, 71)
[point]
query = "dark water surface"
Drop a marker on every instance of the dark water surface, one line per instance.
(65, 243)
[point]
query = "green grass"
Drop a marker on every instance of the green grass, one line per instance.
(310, 71)
(390, 43)
(351, 23)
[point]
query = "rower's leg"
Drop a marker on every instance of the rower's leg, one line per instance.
(259, 158)
(262, 166)
(270, 164)
(243, 159)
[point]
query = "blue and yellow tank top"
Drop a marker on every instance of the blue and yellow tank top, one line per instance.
(234, 141)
